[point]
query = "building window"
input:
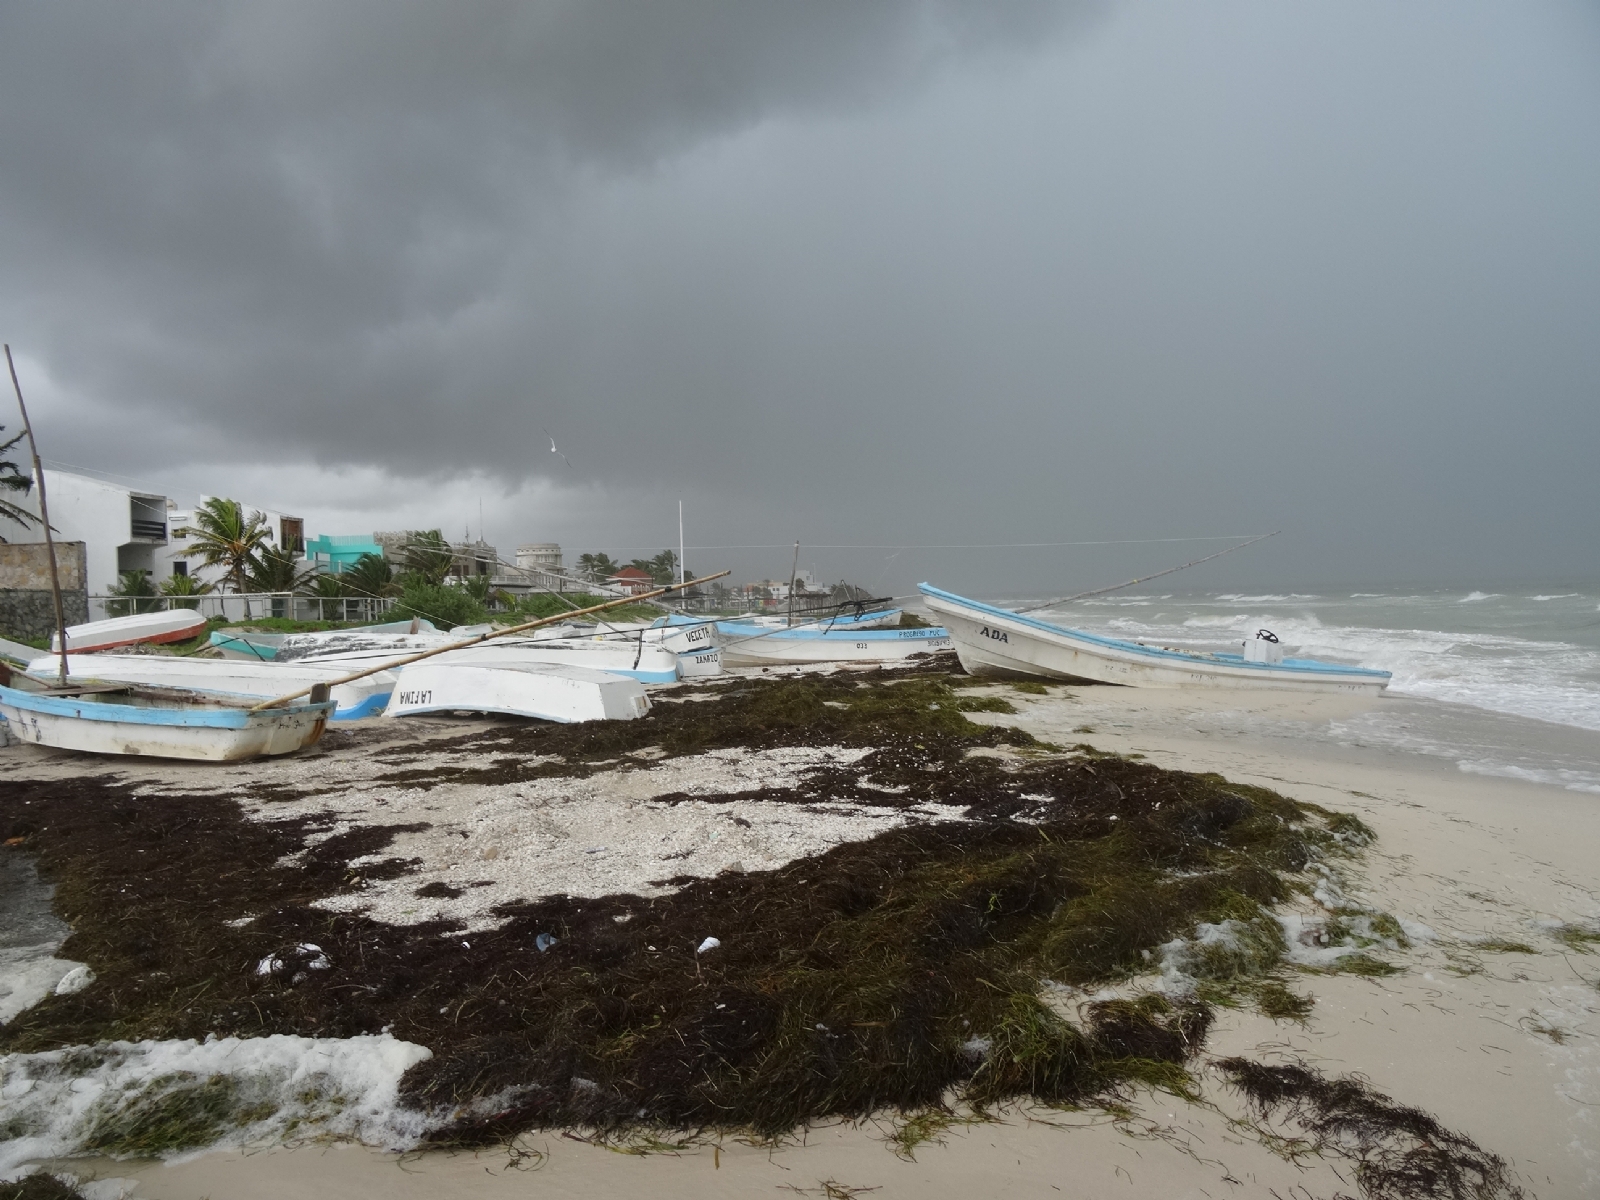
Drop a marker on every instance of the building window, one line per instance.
(180, 567)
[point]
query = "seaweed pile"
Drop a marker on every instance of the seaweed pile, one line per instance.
(903, 972)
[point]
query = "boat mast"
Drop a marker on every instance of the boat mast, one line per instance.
(793, 573)
(680, 540)
(44, 517)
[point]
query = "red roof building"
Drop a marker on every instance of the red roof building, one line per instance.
(632, 580)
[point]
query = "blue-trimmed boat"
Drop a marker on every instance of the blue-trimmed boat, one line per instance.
(158, 723)
(998, 641)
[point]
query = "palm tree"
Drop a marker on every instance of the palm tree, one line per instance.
(223, 538)
(597, 567)
(370, 576)
(13, 480)
(663, 568)
(327, 589)
(134, 594)
(276, 570)
(428, 554)
(482, 589)
(183, 590)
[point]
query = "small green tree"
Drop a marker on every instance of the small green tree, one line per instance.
(224, 538)
(13, 480)
(445, 606)
(134, 594)
(183, 591)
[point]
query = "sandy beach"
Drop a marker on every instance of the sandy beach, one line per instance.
(1497, 1040)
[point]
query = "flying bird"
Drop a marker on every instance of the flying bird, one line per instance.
(553, 449)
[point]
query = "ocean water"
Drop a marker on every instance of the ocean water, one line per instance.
(1504, 683)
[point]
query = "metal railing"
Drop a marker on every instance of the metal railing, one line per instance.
(247, 606)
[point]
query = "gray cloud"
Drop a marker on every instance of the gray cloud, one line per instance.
(896, 272)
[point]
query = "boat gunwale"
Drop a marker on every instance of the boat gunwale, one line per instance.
(734, 629)
(216, 716)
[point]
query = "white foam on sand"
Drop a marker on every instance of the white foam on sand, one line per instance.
(30, 973)
(607, 833)
(263, 1090)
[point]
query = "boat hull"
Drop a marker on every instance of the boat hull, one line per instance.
(263, 680)
(996, 641)
(178, 625)
(539, 690)
(647, 664)
(202, 734)
(755, 646)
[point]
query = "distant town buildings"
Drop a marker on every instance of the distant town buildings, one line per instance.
(631, 581)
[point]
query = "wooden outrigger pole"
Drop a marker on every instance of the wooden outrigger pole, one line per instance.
(44, 517)
(484, 637)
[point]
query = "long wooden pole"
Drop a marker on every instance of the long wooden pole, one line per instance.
(44, 516)
(484, 637)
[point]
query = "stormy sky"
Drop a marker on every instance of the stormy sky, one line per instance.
(936, 280)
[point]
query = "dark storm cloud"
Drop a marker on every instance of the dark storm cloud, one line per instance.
(879, 273)
(209, 208)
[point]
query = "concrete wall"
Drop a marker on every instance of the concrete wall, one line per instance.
(27, 609)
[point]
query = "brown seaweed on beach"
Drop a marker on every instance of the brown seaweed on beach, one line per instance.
(896, 973)
(1400, 1153)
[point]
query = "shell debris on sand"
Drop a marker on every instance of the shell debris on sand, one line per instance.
(611, 831)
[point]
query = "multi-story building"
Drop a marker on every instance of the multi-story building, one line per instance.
(121, 528)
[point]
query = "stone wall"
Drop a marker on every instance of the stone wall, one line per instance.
(27, 611)
(26, 565)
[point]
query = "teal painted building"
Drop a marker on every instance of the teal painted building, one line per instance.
(335, 555)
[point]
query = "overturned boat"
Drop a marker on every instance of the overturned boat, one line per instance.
(542, 691)
(178, 625)
(998, 641)
(223, 677)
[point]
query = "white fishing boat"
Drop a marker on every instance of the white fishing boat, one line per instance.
(694, 642)
(178, 625)
(223, 677)
(157, 723)
(746, 645)
(998, 641)
(543, 691)
(643, 661)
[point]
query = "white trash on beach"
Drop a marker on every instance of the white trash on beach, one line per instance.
(710, 943)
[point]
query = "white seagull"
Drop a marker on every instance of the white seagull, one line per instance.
(553, 449)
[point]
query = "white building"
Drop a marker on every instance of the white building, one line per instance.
(121, 528)
(126, 529)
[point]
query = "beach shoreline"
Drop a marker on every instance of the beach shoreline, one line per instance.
(1498, 1044)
